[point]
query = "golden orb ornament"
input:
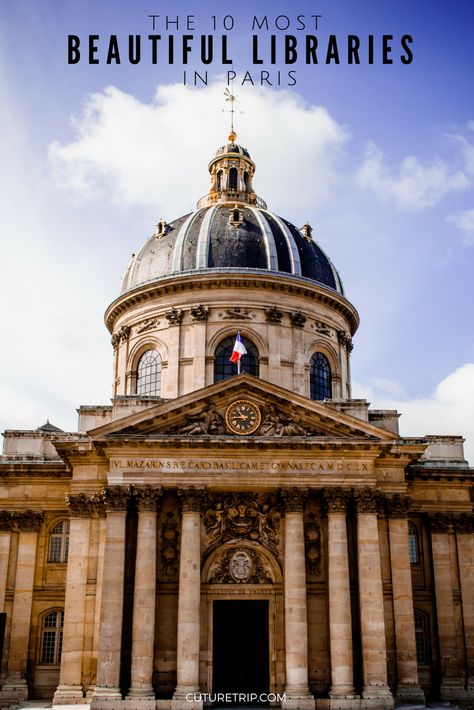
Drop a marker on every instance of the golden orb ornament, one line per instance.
(232, 136)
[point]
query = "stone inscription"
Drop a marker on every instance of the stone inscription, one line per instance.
(213, 464)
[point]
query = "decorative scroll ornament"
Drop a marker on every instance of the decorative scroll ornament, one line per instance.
(170, 545)
(240, 566)
(200, 313)
(336, 499)
(312, 538)
(322, 329)
(121, 336)
(242, 516)
(298, 319)
(174, 316)
(273, 314)
(146, 325)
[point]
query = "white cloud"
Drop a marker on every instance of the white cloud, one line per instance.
(137, 153)
(465, 222)
(449, 410)
(414, 186)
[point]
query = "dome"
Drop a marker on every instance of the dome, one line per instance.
(232, 229)
(231, 237)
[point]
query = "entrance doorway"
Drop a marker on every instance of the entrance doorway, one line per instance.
(240, 662)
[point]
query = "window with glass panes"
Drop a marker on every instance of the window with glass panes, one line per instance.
(223, 368)
(421, 639)
(59, 542)
(149, 374)
(413, 544)
(52, 637)
(320, 378)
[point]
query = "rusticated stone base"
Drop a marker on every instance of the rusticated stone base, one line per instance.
(297, 702)
(410, 694)
(69, 695)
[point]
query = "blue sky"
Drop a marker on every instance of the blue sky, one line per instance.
(379, 158)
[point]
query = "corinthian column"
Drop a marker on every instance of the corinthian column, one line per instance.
(339, 592)
(297, 693)
(465, 544)
(408, 687)
(70, 678)
(189, 602)
(372, 622)
(111, 612)
(27, 524)
(144, 600)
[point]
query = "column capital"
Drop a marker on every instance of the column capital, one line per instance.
(148, 498)
(397, 505)
(441, 522)
(464, 523)
(192, 499)
(335, 499)
(79, 506)
(366, 500)
(6, 521)
(27, 520)
(294, 499)
(116, 499)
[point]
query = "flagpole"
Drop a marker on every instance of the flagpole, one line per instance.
(238, 366)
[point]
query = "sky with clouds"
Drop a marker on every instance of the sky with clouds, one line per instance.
(379, 158)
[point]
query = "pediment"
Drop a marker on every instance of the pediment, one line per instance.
(202, 413)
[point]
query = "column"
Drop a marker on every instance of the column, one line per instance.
(171, 378)
(297, 693)
(372, 622)
(189, 602)
(144, 600)
(408, 687)
(452, 682)
(199, 314)
(28, 524)
(339, 593)
(70, 678)
(5, 538)
(465, 544)
(111, 611)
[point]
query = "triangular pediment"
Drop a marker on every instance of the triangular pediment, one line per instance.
(219, 409)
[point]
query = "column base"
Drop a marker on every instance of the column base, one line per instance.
(297, 699)
(141, 698)
(14, 689)
(106, 699)
(453, 689)
(69, 695)
(377, 697)
(343, 702)
(187, 698)
(408, 693)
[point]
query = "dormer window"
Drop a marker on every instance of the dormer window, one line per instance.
(236, 216)
(161, 228)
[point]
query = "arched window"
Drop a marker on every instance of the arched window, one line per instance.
(52, 637)
(320, 377)
(59, 542)
(233, 179)
(422, 638)
(149, 374)
(246, 181)
(223, 368)
(413, 547)
(219, 181)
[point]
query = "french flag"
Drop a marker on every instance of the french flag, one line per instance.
(239, 349)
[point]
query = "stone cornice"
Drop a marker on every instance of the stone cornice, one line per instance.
(245, 279)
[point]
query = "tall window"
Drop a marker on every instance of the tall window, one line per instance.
(233, 179)
(223, 368)
(149, 374)
(219, 181)
(413, 547)
(52, 637)
(246, 180)
(320, 377)
(59, 542)
(422, 639)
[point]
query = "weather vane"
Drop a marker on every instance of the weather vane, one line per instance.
(232, 99)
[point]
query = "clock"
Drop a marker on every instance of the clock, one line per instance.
(243, 417)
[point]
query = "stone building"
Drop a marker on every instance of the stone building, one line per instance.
(213, 532)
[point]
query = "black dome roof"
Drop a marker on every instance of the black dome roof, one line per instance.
(231, 237)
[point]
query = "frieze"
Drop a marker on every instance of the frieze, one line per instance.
(294, 499)
(174, 316)
(312, 538)
(240, 566)
(242, 516)
(200, 313)
(170, 545)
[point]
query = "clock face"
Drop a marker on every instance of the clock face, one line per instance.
(243, 417)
